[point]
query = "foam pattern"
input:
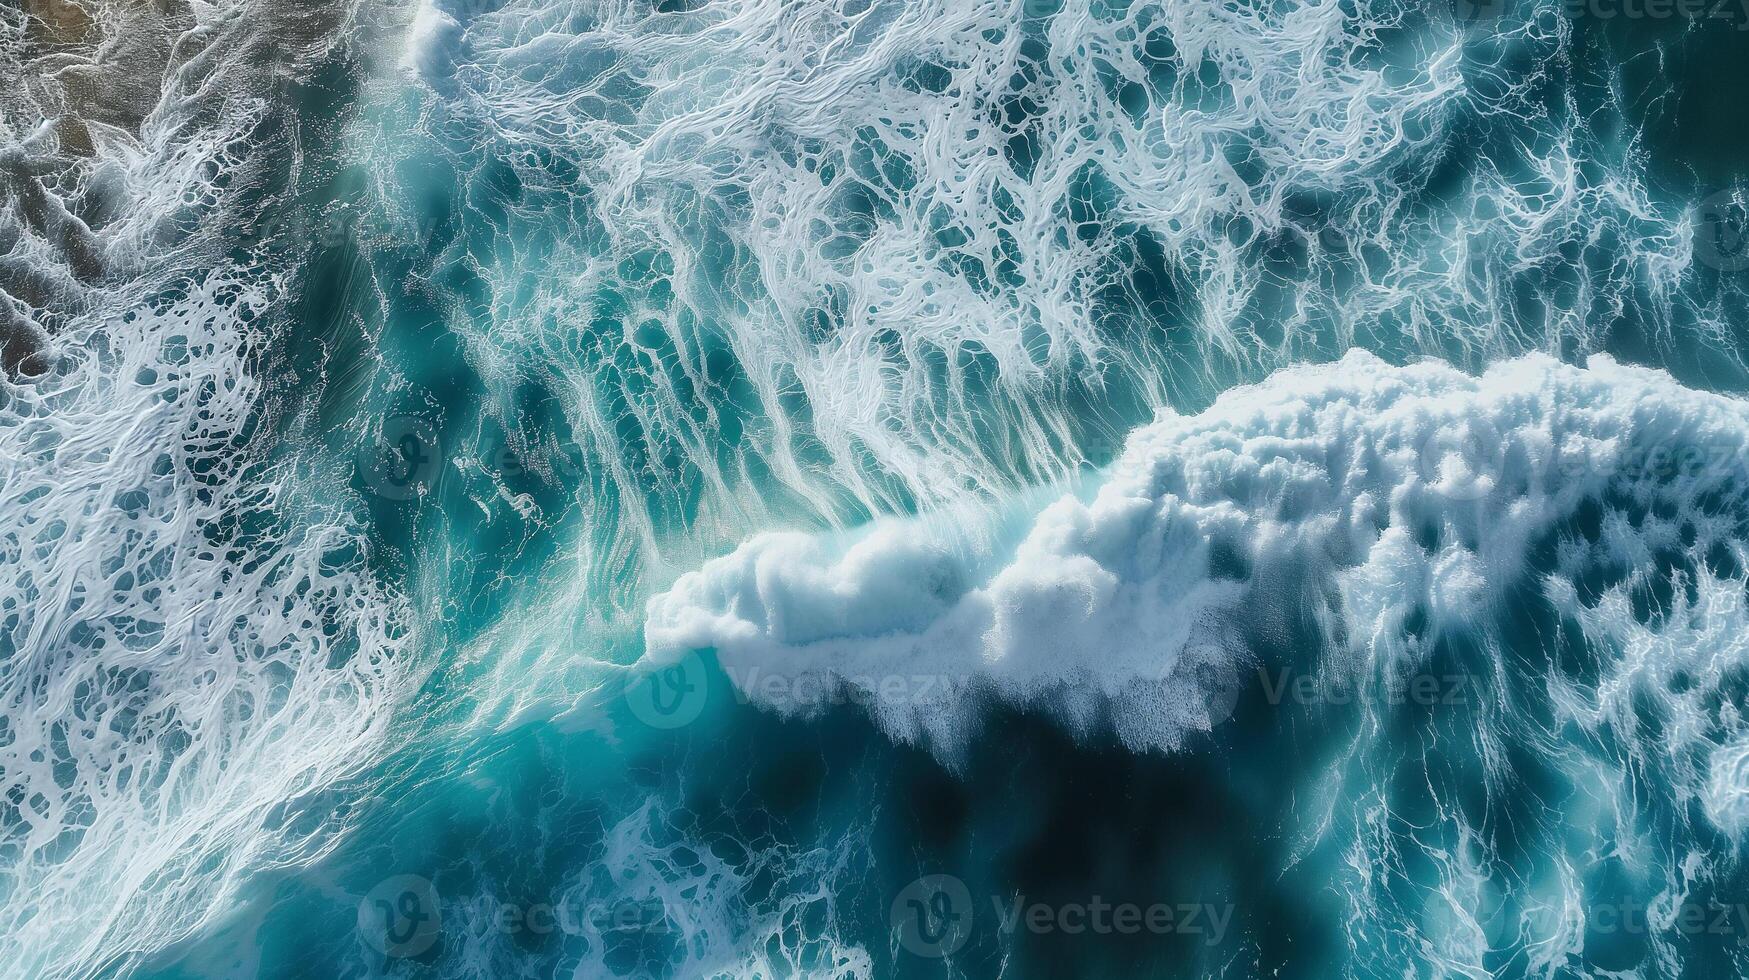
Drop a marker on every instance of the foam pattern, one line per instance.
(861, 257)
(191, 647)
(179, 668)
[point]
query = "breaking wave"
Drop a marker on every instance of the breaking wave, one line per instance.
(1560, 550)
(1392, 506)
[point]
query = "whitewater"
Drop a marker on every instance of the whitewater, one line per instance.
(751, 488)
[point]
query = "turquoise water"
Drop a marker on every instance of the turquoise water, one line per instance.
(875, 488)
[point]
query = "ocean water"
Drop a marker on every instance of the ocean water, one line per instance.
(874, 488)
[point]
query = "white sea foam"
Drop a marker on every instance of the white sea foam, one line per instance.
(851, 258)
(191, 648)
(1398, 504)
(177, 665)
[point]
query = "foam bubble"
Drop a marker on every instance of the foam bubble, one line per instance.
(178, 663)
(1311, 483)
